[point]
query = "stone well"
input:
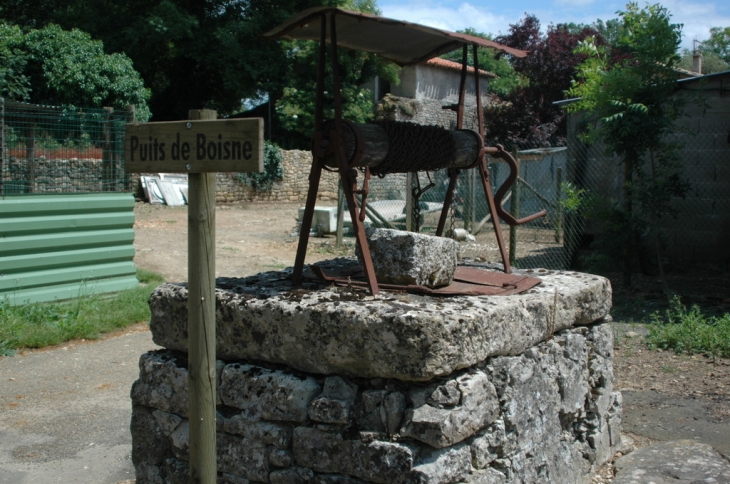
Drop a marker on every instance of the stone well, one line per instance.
(329, 385)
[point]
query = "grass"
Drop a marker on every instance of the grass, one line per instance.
(690, 331)
(43, 324)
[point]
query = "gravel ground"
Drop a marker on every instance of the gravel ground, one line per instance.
(65, 411)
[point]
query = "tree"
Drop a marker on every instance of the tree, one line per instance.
(295, 108)
(59, 67)
(14, 84)
(718, 43)
(490, 60)
(529, 116)
(631, 103)
(191, 54)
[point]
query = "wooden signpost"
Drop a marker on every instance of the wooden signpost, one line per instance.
(200, 147)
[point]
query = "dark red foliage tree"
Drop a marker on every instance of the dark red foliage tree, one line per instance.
(528, 116)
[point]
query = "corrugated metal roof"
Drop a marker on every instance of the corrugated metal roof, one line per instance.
(402, 42)
(62, 246)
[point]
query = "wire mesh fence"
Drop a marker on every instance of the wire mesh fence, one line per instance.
(540, 243)
(691, 228)
(46, 149)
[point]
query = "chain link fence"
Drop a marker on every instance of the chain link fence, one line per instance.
(539, 243)
(46, 149)
(694, 228)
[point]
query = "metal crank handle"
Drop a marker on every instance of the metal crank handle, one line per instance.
(499, 152)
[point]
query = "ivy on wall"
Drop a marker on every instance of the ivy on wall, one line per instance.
(273, 170)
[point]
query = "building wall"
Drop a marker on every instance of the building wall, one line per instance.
(428, 82)
(701, 230)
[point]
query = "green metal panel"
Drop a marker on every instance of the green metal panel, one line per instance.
(62, 246)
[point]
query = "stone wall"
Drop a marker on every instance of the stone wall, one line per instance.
(699, 226)
(293, 187)
(328, 385)
(85, 175)
(74, 175)
(547, 415)
(427, 111)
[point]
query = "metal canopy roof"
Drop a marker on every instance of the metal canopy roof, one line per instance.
(402, 42)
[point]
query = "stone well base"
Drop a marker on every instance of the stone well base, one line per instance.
(547, 415)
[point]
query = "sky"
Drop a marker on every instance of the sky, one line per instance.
(493, 17)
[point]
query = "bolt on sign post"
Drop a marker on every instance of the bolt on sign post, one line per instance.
(200, 147)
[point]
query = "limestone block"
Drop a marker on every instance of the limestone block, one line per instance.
(371, 416)
(325, 330)
(441, 427)
(242, 457)
(335, 479)
(442, 466)
(333, 404)
(148, 474)
(276, 434)
(176, 472)
(381, 462)
(167, 421)
(486, 447)
(557, 419)
(163, 383)
(677, 461)
(286, 476)
(270, 394)
(401, 257)
(180, 440)
(394, 407)
(225, 478)
(149, 442)
(280, 457)
(486, 476)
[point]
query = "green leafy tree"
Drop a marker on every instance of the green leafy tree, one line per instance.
(295, 108)
(14, 84)
(60, 67)
(491, 61)
(630, 99)
(191, 54)
(718, 43)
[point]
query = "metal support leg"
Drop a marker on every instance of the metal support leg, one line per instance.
(314, 176)
(448, 200)
(484, 175)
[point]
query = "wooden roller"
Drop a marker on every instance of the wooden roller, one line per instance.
(375, 146)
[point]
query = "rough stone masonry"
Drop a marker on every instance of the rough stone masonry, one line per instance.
(327, 385)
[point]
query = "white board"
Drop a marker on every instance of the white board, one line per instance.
(171, 193)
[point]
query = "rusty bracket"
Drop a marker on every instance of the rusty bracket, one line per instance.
(500, 152)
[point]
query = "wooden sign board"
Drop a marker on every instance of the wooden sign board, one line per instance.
(220, 145)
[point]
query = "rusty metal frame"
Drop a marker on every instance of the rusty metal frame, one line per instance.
(333, 142)
(345, 166)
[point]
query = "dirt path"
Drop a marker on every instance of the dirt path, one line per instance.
(250, 238)
(65, 411)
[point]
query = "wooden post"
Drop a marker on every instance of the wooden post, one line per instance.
(201, 321)
(131, 118)
(410, 180)
(514, 210)
(30, 156)
(2, 145)
(558, 205)
(340, 214)
(470, 202)
(108, 178)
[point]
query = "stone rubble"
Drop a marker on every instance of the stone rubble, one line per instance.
(547, 415)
